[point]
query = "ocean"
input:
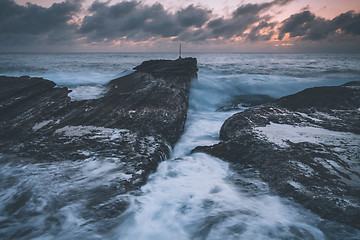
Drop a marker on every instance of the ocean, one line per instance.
(190, 196)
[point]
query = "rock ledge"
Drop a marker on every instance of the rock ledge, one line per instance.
(306, 146)
(134, 123)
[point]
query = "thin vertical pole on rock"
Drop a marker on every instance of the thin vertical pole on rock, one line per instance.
(180, 51)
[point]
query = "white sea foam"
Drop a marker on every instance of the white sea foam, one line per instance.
(344, 144)
(192, 196)
(79, 78)
(94, 131)
(40, 125)
(86, 92)
(307, 116)
(53, 199)
(281, 133)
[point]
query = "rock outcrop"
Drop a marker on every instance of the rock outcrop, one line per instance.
(306, 146)
(135, 122)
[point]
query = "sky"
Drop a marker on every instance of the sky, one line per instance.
(160, 25)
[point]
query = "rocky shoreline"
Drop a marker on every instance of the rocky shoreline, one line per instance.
(305, 145)
(137, 120)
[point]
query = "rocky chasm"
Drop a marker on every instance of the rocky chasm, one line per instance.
(305, 146)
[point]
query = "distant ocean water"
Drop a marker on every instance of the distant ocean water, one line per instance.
(273, 74)
(191, 196)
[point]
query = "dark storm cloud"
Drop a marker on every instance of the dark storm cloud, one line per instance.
(305, 24)
(256, 35)
(135, 21)
(348, 22)
(198, 35)
(193, 16)
(159, 22)
(110, 22)
(243, 19)
(32, 22)
(310, 27)
(128, 19)
(139, 22)
(132, 20)
(33, 19)
(254, 9)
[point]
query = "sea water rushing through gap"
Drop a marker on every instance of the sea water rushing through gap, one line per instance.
(190, 196)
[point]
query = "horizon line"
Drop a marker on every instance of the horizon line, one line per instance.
(176, 53)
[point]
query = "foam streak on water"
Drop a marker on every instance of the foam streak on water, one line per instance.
(191, 196)
(194, 196)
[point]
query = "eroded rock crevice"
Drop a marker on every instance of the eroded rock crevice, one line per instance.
(306, 146)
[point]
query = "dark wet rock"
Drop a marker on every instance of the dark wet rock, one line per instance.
(246, 100)
(179, 66)
(352, 84)
(133, 124)
(306, 146)
(25, 101)
(323, 99)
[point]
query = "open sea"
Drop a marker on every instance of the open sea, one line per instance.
(190, 196)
